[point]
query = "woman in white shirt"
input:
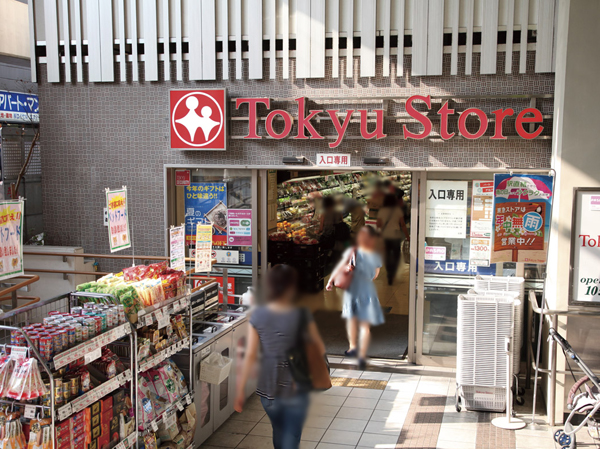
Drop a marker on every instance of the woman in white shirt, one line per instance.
(390, 221)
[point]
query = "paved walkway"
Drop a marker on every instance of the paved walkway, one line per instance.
(382, 410)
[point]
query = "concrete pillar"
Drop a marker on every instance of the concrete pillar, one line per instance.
(575, 157)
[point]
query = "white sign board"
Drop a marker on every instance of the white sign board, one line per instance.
(177, 244)
(446, 209)
(435, 253)
(585, 248)
(227, 256)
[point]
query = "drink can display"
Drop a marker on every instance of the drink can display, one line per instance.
(66, 390)
(76, 310)
(35, 340)
(56, 343)
(99, 326)
(45, 347)
(46, 399)
(78, 334)
(58, 392)
(90, 323)
(84, 332)
(88, 305)
(74, 385)
(64, 338)
(37, 325)
(54, 312)
(71, 336)
(13, 337)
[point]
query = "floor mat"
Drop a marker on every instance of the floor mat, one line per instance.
(388, 341)
(358, 383)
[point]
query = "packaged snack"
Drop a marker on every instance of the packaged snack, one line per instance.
(26, 382)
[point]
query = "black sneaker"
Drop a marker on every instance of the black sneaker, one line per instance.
(362, 364)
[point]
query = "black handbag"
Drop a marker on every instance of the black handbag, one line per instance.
(309, 368)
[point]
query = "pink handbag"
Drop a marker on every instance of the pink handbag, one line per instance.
(344, 277)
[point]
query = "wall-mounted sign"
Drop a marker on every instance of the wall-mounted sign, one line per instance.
(226, 256)
(341, 120)
(183, 178)
(522, 206)
(11, 239)
(239, 223)
(118, 219)
(206, 202)
(446, 209)
(482, 209)
(585, 247)
(177, 246)
(19, 107)
(198, 119)
(333, 160)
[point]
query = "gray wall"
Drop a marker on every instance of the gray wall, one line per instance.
(15, 75)
(108, 135)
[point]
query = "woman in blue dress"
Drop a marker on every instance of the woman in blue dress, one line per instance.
(361, 304)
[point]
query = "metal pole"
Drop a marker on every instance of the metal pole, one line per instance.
(552, 392)
(537, 359)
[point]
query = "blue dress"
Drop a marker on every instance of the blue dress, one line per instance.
(361, 300)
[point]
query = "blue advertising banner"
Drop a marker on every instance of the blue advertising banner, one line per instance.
(19, 107)
(457, 267)
(206, 202)
(522, 207)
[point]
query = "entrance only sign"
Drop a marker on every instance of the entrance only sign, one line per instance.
(340, 121)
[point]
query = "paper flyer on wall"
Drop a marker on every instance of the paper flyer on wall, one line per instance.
(446, 209)
(118, 219)
(522, 206)
(203, 248)
(177, 246)
(239, 232)
(482, 209)
(11, 239)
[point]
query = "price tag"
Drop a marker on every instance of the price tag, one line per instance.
(30, 411)
(163, 321)
(154, 426)
(179, 406)
(188, 399)
(64, 412)
(93, 355)
(148, 319)
(131, 438)
(121, 445)
(170, 420)
(184, 302)
(19, 351)
(177, 306)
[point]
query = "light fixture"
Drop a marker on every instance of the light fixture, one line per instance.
(376, 160)
(298, 160)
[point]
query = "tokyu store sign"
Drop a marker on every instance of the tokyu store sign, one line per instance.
(198, 120)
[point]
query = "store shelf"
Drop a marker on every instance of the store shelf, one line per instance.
(156, 313)
(88, 347)
(93, 395)
(155, 359)
(128, 442)
(172, 410)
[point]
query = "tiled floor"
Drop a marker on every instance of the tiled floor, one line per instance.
(415, 410)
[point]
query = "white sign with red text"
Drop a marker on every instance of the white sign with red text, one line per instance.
(585, 245)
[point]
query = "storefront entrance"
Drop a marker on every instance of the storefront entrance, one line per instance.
(275, 216)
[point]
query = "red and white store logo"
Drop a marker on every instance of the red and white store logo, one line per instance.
(198, 119)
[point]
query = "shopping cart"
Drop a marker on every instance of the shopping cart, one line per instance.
(586, 402)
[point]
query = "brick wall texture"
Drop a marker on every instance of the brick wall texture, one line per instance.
(98, 135)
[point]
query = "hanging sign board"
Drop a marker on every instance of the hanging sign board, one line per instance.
(206, 201)
(522, 206)
(177, 246)
(118, 222)
(446, 209)
(11, 239)
(239, 232)
(585, 248)
(482, 208)
(203, 248)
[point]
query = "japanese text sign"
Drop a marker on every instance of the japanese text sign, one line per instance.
(446, 209)
(19, 107)
(482, 209)
(240, 227)
(522, 206)
(177, 244)
(585, 248)
(183, 178)
(11, 239)
(333, 160)
(203, 248)
(206, 202)
(118, 219)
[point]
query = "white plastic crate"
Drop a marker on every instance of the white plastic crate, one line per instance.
(514, 285)
(484, 322)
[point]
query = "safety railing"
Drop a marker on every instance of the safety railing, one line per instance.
(11, 293)
(550, 316)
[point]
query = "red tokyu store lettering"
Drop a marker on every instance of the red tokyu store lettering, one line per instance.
(340, 121)
(588, 241)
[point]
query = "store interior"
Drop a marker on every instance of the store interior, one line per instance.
(297, 237)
